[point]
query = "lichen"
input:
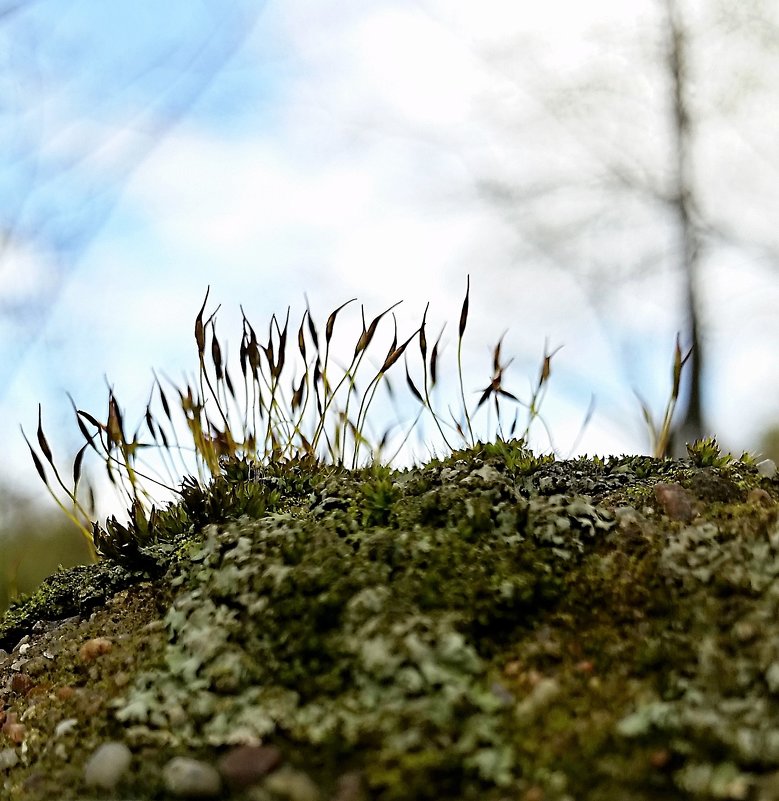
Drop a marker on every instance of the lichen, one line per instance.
(488, 626)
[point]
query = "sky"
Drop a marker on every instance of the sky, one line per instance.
(292, 150)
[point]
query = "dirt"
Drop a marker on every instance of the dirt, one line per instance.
(492, 626)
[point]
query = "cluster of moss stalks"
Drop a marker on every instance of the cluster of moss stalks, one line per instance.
(490, 625)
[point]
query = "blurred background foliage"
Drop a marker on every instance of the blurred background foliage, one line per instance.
(34, 542)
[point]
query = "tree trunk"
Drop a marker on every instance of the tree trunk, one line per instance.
(691, 424)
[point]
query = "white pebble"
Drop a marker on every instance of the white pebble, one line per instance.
(107, 765)
(190, 778)
(8, 758)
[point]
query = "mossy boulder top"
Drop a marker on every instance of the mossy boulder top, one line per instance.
(489, 626)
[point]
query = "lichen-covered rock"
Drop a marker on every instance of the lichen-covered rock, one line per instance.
(488, 626)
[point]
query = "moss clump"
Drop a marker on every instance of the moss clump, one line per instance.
(487, 626)
(76, 591)
(381, 597)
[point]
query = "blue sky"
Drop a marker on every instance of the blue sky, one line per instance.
(336, 152)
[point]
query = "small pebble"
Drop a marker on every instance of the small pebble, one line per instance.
(21, 683)
(12, 729)
(190, 778)
(767, 468)
(107, 765)
(95, 647)
(37, 666)
(121, 679)
(772, 678)
(247, 764)
(675, 502)
(8, 758)
(292, 785)
(351, 787)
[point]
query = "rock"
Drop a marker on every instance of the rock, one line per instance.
(248, 764)
(191, 778)
(8, 758)
(94, 648)
(107, 765)
(21, 683)
(12, 729)
(292, 785)
(772, 677)
(675, 501)
(351, 787)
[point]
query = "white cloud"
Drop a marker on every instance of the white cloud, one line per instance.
(329, 201)
(356, 184)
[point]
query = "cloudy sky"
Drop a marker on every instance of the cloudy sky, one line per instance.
(353, 149)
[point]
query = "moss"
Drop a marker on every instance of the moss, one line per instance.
(63, 686)
(487, 626)
(75, 591)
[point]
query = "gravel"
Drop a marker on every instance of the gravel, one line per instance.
(191, 778)
(107, 765)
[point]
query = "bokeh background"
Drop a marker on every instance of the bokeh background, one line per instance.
(607, 173)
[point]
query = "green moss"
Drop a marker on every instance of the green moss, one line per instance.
(479, 628)
(75, 591)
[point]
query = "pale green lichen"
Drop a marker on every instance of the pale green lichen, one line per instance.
(726, 701)
(307, 626)
(484, 627)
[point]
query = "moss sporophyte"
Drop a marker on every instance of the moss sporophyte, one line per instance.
(305, 621)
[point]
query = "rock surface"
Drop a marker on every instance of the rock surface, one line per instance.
(490, 626)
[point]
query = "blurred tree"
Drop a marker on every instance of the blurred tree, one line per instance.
(645, 158)
(87, 90)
